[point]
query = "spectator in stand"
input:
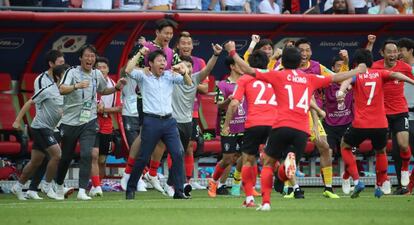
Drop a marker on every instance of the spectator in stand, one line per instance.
(55, 3)
(4, 3)
(236, 5)
(97, 4)
(357, 6)
(336, 7)
(132, 5)
(188, 4)
(391, 7)
(210, 5)
(158, 5)
(269, 7)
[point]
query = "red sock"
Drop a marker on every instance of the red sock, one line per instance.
(256, 172)
(248, 180)
(350, 163)
(218, 171)
(405, 156)
(153, 168)
(96, 181)
(129, 165)
(381, 167)
(189, 165)
(145, 170)
(281, 173)
(266, 182)
(169, 161)
(346, 175)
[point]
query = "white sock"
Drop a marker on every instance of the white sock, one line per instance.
(82, 191)
(356, 182)
(249, 199)
(220, 184)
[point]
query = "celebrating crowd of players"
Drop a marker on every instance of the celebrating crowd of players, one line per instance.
(280, 98)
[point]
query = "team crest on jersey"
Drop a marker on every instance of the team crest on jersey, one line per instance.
(226, 146)
(51, 139)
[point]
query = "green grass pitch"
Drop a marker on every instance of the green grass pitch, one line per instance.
(151, 208)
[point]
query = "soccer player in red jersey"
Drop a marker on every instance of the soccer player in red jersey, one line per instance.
(293, 89)
(396, 110)
(370, 121)
(406, 50)
(261, 112)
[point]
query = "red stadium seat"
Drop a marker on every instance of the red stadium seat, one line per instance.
(5, 83)
(365, 147)
(208, 120)
(211, 83)
(27, 82)
(310, 147)
(11, 141)
(208, 112)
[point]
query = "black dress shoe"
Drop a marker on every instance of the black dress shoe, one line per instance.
(187, 190)
(130, 195)
(179, 195)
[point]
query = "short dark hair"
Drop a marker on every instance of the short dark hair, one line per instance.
(165, 23)
(228, 62)
(187, 59)
(302, 41)
(406, 43)
(52, 55)
(258, 59)
(102, 59)
(262, 43)
(386, 42)
(87, 46)
(58, 71)
(291, 57)
(154, 55)
(362, 55)
(335, 59)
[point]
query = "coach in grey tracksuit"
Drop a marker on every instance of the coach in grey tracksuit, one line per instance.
(79, 86)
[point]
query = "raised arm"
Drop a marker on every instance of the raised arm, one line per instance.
(133, 61)
(339, 77)
(211, 62)
(231, 49)
(371, 41)
(401, 77)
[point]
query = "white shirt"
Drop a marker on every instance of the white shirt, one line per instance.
(130, 4)
(188, 4)
(265, 7)
(97, 4)
(235, 2)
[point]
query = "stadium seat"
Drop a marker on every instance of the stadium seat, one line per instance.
(365, 147)
(310, 147)
(208, 120)
(27, 82)
(114, 77)
(13, 143)
(211, 83)
(5, 84)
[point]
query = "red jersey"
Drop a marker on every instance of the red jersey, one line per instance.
(369, 99)
(394, 99)
(293, 89)
(260, 98)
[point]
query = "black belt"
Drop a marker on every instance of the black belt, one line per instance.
(411, 109)
(158, 116)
